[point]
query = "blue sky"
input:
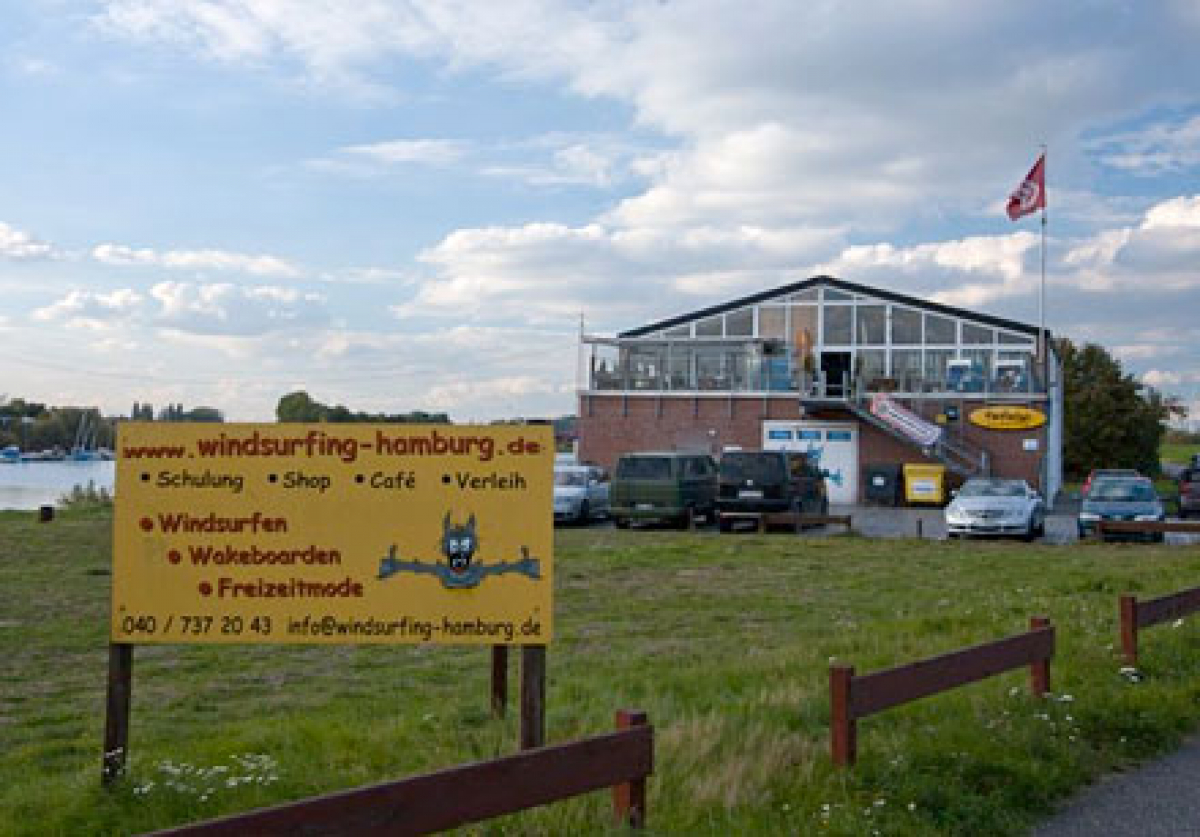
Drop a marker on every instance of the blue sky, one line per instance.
(403, 206)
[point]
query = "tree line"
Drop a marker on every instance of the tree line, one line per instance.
(35, 426)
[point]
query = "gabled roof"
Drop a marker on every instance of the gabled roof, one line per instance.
(841, 285)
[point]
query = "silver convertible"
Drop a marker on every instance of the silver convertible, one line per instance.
(986, 506)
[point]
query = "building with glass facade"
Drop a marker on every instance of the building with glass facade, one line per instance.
(850, 373)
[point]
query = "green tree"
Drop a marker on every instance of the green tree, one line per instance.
(1111, 420)
(298, 406)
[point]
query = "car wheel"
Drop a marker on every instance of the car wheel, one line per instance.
(724, 524)
(1041, 528)
(585, 514)
(687, 520)
(1030, 532)
(621, 522)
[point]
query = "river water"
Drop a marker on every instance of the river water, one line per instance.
(27, 485)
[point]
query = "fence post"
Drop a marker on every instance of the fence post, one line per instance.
(629, 798)
(116, 712)
(844, 728)
(533, 696)
(499, 680)
(1039, 671)
(1129, 629)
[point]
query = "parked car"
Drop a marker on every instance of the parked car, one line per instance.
(580, 493)
(1106, 473)
(768, 481)
(1189, 492)
(669, 486)
(989, 506)
(1121, 498)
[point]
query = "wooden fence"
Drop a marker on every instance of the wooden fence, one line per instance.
(853, 697)
(620, 760)
(1134, 527)
(1136, 615)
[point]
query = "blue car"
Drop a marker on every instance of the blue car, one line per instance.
(1132, 499)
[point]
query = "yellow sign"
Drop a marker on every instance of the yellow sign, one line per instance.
(333, 533)
(1008, 418)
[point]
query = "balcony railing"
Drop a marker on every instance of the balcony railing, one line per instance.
(818, 385)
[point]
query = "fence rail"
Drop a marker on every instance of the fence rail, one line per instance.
(854, 697)
(1136, 615)
(1136, 526)
(620, 760)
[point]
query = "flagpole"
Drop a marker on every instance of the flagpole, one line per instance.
(1045, 347)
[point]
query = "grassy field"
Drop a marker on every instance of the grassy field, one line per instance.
(725, 641)
(1178, 453)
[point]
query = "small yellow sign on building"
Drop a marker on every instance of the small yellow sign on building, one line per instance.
(1007, 418)
(333, 533)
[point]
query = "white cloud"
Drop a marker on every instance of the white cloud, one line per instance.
(431, 152)
(212, 309)
(20, 246)
(198, 260)
(1157, 149)
(548, 272)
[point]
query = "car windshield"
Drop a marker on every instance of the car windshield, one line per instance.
(570, 478)
(993, 488)
(644, 468)
(1122, 491)
(741, 467)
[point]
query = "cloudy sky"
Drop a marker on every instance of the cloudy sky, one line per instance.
(409, 205)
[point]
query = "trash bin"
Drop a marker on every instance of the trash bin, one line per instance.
(882, 484)
(925, 484)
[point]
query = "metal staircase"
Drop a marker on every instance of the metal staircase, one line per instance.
(958, 455)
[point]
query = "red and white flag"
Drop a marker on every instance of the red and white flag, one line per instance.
(1030, 196)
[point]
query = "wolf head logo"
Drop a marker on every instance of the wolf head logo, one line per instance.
(459, 543)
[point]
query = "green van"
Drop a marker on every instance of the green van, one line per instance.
(668, 486)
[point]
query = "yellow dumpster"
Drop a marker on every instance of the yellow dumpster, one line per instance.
(925, 484)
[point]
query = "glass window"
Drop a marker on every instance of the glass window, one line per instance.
(975, 335)
(740, 323)
(679, 331)
(836, 296)
(710, 368)
(1008, 337)
(783, 435)
(646, 367)
(906, 326)
(710, 327)
(935, 366)
(981, 362)
(872, 364)
(804, 296)
(804, 334)
(808, 435)
(772, 321)
(1013, 373)
(939, 330)
(606, 367)
(838, 436)
(837, 325)
(679, 368)
(870, 325)
(906, 368)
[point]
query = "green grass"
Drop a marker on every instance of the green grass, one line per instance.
(1178, 452)
(725, 641)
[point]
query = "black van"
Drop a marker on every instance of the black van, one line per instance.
(769, 481)
(668, 486)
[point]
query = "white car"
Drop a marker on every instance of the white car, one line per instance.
(580, 493)
(987, 506)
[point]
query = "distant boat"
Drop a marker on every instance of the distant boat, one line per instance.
(10, 454)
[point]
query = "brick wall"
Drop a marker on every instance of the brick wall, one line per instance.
(610, 425)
